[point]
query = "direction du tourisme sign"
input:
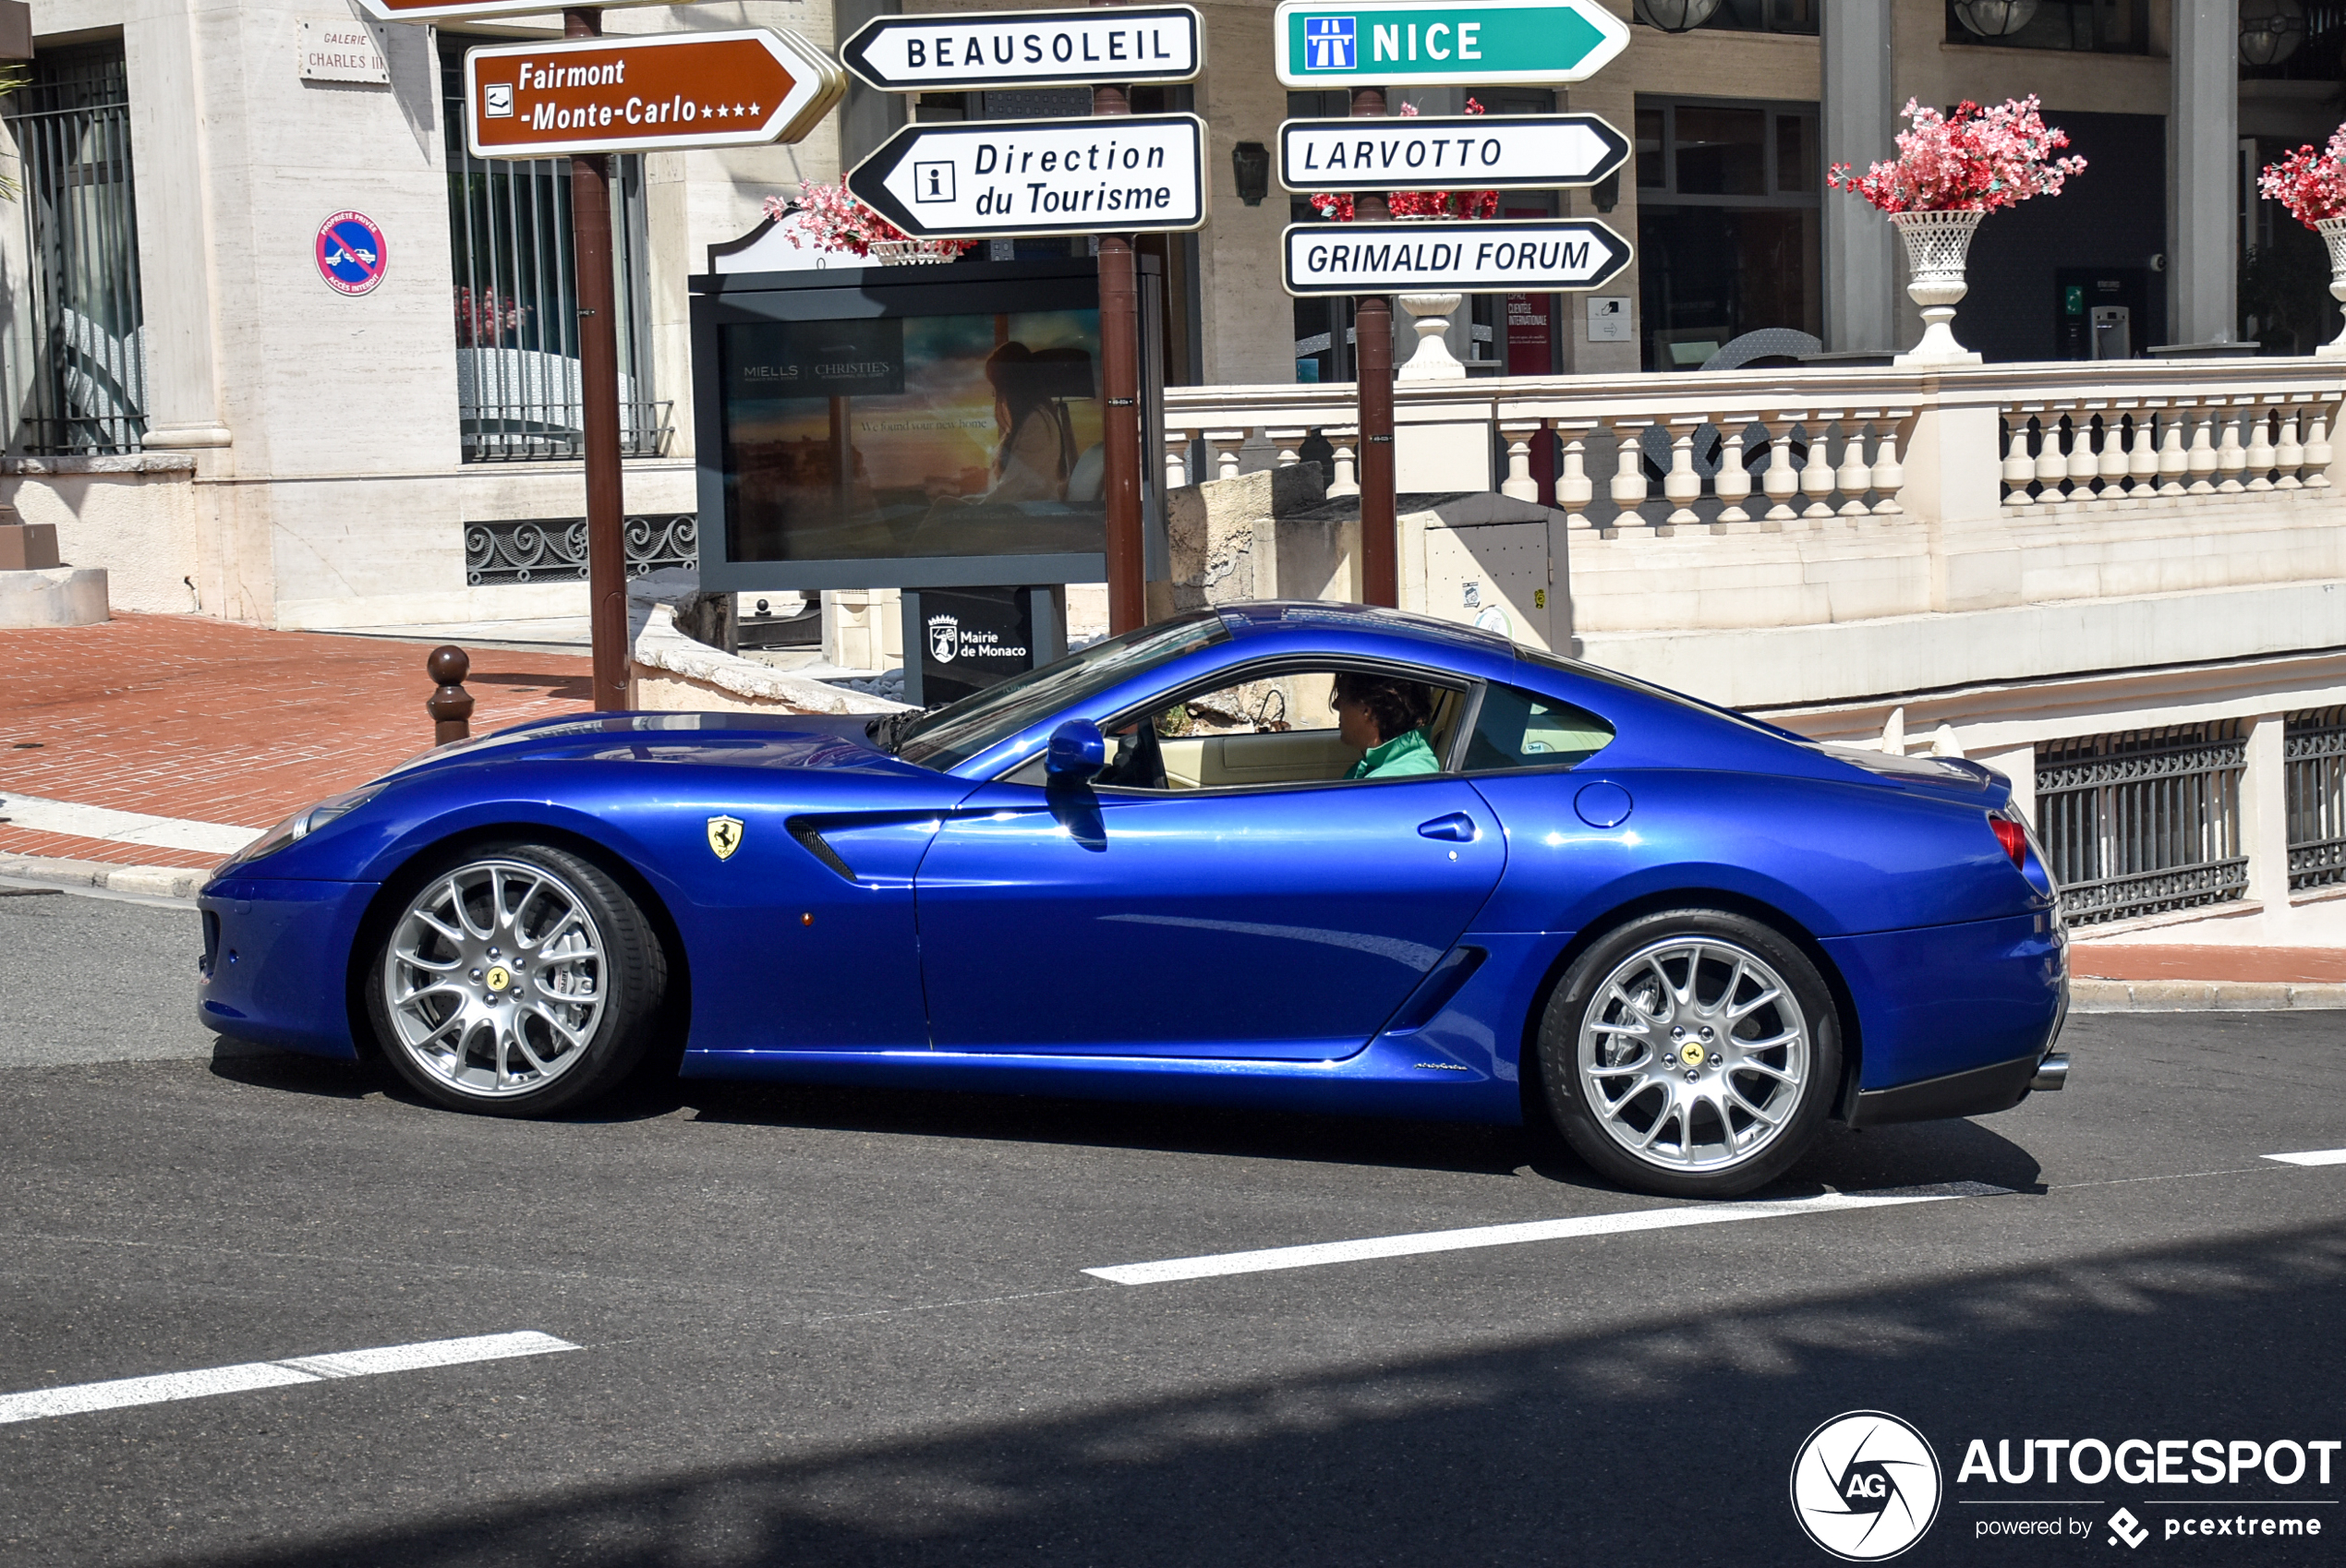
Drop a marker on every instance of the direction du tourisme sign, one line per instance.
(980, 178)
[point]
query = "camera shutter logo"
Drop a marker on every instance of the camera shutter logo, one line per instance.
(1866, 1485)
(944, 637)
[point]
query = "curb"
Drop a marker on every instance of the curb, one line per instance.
(2200, 997)
(151, 881)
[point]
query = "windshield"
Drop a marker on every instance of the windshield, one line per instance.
(959, 731)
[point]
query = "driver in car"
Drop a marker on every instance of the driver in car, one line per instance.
(1387, 718)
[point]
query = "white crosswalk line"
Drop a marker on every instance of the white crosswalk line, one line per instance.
(1317, 1254)
(121, 1393)
(78, 821)
(2312, 1157)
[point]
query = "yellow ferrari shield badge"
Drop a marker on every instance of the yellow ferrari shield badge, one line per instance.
(724, 836)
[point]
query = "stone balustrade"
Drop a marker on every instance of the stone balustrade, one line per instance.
(1781, 450)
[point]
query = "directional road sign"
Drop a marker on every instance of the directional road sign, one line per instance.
(1466, 43)
(979, 179)
(638, 94)
(954, 52)
(1480, 151)
(1531, 255)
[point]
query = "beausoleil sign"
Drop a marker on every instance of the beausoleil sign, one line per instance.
(1529, 256)
(641, 93)
(953, 51)
(1482, 150)
(978, 179)
(1335, 43)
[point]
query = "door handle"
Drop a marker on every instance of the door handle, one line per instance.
(1458, 829)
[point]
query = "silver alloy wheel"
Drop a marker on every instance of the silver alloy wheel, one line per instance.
(494, 978)
(1693, 1054)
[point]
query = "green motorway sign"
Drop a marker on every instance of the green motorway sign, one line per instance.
(1411, 43)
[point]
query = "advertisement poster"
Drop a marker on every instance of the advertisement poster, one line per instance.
(922, 436)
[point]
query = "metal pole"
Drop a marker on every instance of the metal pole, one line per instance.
(1120, 413)
(1372, 361)
(598, 384)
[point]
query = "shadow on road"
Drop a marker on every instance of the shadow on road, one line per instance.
(1668, 1443)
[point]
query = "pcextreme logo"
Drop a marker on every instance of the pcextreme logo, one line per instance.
(1865, 1486)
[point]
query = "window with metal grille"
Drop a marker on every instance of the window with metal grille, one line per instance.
(76, 349)
(2144, 820)
(516, 301)
(2314, 767)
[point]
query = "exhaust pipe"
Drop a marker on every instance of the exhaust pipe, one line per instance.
(2051, 1073)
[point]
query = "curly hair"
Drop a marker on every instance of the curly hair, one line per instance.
(1398, 706)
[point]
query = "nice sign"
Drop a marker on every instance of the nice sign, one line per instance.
(1332, 44)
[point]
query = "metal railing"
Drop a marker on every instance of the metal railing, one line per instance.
(2314, 767)
(553, 549)
(516, 303)
(75, 344)
(2144, 820)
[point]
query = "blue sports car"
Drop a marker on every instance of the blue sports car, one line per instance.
(1310, 856)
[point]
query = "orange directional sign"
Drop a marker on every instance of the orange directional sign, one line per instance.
(645, 94)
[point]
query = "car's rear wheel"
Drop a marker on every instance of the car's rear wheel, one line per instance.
(1691, 1053)
(517, 979)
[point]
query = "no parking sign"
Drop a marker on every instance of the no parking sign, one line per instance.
(350, 253)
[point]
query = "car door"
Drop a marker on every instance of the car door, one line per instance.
(1270, 922)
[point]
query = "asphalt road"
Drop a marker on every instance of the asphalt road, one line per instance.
(831, 1327)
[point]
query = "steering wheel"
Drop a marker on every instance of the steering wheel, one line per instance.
(1140, 761)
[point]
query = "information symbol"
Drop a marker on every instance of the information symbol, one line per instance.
(1330, 44)
(933, 182)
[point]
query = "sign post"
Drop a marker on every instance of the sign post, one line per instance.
(1120, 399)
(1372, 378)
(590, 97)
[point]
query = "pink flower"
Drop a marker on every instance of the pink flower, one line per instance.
(838, 222)
(1975, 160)
(2311, 184)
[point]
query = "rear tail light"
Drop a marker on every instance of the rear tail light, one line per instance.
(2014, 837)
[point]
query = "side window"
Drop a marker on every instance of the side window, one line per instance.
(1518, 729)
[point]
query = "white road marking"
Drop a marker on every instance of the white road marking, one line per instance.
(81, 1398)
(1511, 1234)
(124, 826)
(2312, 1157)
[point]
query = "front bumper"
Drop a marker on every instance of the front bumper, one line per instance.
(276, 962)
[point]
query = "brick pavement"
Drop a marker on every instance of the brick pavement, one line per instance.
(187, 717)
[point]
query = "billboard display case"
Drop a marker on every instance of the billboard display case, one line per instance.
(909, 426)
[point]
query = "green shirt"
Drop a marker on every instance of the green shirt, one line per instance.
(1406, 753)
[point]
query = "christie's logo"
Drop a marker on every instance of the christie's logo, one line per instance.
(1865, 1486)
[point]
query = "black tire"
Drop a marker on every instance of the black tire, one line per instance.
(565, 999)
(1721, 1119)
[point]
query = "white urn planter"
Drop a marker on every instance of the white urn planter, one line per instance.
(1936, 245)
(1432, 359)
(2333, 233)
(912, 252)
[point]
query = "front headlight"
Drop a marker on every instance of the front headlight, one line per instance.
(302, 824)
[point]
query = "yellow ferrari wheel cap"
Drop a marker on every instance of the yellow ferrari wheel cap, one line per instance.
(497, 978)
(1690, 1053)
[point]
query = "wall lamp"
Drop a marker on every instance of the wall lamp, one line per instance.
(1250, 163)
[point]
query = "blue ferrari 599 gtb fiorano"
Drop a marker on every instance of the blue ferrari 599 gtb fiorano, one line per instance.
(1172, 866)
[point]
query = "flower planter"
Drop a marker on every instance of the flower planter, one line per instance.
(2333, 233)
(912, 252)
(1938, 243)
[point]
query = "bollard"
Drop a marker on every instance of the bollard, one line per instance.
(451, 705)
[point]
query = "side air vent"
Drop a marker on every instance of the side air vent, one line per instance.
(812, 843)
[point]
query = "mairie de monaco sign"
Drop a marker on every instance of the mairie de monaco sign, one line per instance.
(1533, 255)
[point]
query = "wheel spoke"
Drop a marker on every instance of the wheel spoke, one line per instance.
(1736, 1014)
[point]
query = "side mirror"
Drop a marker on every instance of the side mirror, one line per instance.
(1078, 751)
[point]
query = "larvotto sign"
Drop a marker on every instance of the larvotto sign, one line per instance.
(1407, 153)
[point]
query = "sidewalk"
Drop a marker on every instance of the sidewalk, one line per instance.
(184, 718)
(2189, 977)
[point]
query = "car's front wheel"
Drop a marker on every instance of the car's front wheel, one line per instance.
(1691, 1053)
(517, 979)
